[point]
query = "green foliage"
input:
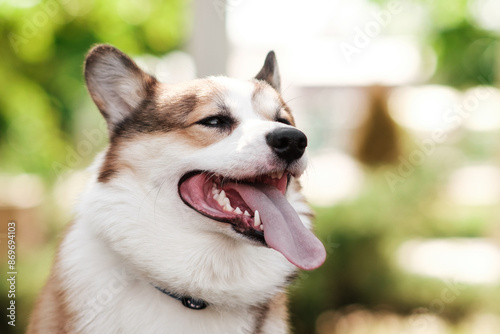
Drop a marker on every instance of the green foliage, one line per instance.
(362, 237)
(465, 52)
(446, 14)
(466, 55)
(41, 81)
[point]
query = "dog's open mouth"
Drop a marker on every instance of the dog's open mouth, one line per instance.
(256, 208)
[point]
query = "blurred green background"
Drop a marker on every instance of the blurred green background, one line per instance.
(412, 239)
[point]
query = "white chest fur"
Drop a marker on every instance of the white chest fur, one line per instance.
(109, 296)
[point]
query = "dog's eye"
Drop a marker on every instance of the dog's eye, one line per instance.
(283, 120)
(217, 122)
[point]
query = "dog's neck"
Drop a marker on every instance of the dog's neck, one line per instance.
(99, 290)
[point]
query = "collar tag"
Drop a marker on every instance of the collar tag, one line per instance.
(189, 302)
(193, 303)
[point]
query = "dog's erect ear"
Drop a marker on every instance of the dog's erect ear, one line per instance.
(270, 72)
(115, 83)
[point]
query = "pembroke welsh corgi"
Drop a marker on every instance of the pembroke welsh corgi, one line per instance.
(194, 221)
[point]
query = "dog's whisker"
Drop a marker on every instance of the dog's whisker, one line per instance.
(287, 88)
(211, 176)
(156, 199)
(146, 196)
(294, 98)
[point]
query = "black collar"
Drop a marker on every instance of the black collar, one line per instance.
(189, 302)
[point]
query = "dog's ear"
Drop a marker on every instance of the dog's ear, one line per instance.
(270, 72)
(116, 84)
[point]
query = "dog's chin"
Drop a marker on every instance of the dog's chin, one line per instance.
(217, 197)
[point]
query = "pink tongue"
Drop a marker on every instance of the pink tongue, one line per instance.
(283, 229)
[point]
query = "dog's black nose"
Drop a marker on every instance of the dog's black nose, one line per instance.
(288, 143)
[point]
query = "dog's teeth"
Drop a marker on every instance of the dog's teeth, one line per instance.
(228, 207)
(277, 175)
(256, 219)
(221, 199)
(238, 211)
(262, 227)
(246, 213)
(222, 195)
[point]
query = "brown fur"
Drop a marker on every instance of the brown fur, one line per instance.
(52, 313)
(287, 111)
(277, 308)
(93, 60)
(261, 314)
(269, 72)
(173, 109)
(282, 110)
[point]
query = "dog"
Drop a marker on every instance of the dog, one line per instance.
(194, 221)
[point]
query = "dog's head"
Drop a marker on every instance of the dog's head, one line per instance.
(218, 154)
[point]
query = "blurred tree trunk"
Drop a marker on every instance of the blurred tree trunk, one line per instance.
(378, 141)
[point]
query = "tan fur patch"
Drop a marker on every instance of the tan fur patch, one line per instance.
(110, 165)
(275, 309)
(262, 95)
(172, 109)
(51, 313)
(279, 307)
(287, 111)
